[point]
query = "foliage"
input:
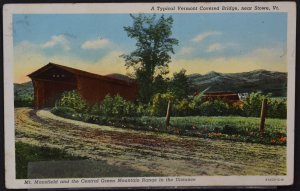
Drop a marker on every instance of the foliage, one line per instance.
(277, 108)
(218, 108)
(142, 110)
(23, 98)
(180, 85)
(63, 111)
(194, 106)
(160, 85)
(245, 129)
(23, 102)
(159, 103)
(154, 45)
(214, 108)
(183, 108)
(116, 111)
(117, 106)
(252, 104)
(114, 107)
(196, 102)
(72, 99)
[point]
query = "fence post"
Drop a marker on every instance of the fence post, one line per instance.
(168, 114)
(263, 114)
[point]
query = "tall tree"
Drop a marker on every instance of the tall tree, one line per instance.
(152, 55)
(160, 84)
(180, 84)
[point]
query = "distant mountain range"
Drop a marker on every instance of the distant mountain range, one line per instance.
(120, 77)
(22, 86)
(23, 91)
(245, 82)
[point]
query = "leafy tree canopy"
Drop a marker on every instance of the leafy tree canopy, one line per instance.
(154, 46)
(180, 84)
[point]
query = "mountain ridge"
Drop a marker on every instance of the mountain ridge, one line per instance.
(244, 82)
(257, 80)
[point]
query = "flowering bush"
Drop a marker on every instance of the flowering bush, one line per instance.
(72, 99)
(115, 106)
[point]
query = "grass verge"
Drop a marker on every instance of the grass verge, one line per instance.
(43, 162)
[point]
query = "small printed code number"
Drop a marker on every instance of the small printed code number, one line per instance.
(274, 179)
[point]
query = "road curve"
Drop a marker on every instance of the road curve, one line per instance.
(163, 154)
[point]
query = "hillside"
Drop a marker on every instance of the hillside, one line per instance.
(24, 89)
(257, 80)
(120, 77)
(23, 94)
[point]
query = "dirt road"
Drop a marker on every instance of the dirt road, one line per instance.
(148, 151)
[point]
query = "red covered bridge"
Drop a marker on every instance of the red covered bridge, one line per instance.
(52, 80)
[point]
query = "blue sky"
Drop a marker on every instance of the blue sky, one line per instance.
(225, 42)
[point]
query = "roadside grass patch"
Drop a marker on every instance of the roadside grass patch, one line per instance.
(44, 162)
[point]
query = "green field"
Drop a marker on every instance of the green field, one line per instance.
(235, 128)
(247, 124)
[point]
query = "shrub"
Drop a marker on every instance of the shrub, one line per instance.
(192, 106)
(235, 109)
(72, 99)
(23, 102)
(130, 109)
(159, 103)
(95, 109)
(214, 108)
(183, 107)
(196, 103)
(23, 98)
(230, 130)
(277, 108)
(252, 104)
(106, 106)
(142, 110)
(63, 111)
(114, 107)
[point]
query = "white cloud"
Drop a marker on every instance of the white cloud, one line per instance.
(28, 57)
(95, 44)
(200, 37)
(215, 47)
(57, 40)
(218, 47)
(185, 51)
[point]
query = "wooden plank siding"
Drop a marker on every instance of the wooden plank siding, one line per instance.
(96, 92)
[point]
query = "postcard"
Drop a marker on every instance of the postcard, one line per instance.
(119, 95)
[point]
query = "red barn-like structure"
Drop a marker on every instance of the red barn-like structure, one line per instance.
(52, 80)
(228, 97)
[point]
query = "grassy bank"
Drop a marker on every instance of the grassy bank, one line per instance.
(236, 128)
(43, 162)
